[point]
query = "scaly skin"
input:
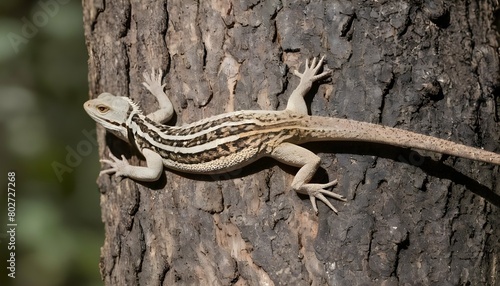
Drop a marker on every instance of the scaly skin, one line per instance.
(230, 141)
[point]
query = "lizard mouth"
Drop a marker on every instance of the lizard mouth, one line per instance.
(87, 106)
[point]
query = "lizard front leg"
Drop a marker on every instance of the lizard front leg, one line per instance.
(308, 162)
(147, 174)
(153, 84)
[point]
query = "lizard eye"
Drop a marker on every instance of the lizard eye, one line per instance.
(102, 108)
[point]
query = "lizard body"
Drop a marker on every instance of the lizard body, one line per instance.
(230, 141)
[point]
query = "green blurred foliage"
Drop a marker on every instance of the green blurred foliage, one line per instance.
(43, 84)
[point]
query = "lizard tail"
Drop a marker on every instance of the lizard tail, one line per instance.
(337, 129)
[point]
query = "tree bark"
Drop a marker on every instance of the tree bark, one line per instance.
(411, 217)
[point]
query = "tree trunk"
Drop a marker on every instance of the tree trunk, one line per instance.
(411, 218)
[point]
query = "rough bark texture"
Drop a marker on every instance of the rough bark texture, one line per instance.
(411, 218)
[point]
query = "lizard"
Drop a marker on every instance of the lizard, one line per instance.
(230, 141)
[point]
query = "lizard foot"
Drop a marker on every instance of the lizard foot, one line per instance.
(153, 82)
(309, 74)
(118, 167)
(317, 191)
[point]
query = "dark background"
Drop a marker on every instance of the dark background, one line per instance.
(43, 84)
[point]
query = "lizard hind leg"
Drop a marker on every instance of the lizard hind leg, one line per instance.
(308, 162)
(296, 102)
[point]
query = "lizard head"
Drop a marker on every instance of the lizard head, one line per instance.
(112, 112)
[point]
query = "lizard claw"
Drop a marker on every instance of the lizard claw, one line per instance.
(317, 191)
(310, 71)
(153, 81)
(118, 167)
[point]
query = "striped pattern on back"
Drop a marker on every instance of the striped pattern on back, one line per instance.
(216, 137)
